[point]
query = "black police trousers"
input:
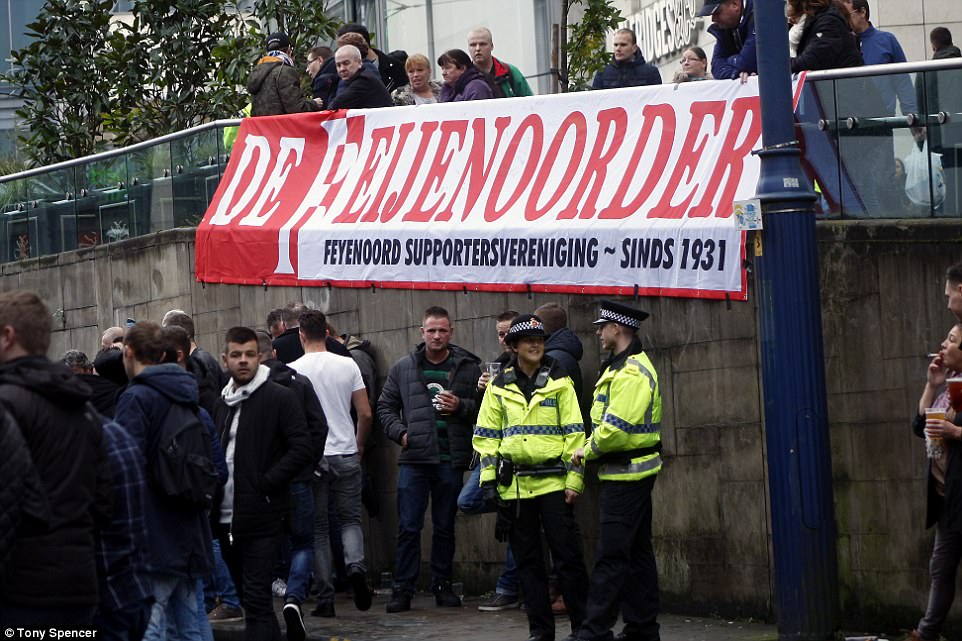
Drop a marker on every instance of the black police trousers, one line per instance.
(624, 578)
(550, 512)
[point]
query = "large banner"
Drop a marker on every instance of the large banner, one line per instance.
(625, 191)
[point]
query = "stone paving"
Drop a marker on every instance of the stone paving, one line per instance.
(426, 622)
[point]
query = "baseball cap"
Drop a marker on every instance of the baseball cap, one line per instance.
(278, 41)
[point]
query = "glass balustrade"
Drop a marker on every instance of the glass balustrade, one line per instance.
(886, 145)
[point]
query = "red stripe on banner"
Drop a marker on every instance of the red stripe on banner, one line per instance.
(628, 191)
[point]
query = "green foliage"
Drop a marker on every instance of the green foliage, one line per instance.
(304, 21)
(587, 50)
(167, 73)
(59, 77)
(179, 63)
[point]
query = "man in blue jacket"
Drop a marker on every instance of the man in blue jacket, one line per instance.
(628, 67)
(733, 25)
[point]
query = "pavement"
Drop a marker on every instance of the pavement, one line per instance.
(427, 622)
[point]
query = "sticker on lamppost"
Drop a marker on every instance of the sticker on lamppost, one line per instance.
(748, 214)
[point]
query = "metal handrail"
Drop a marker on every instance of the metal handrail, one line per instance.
(120, 151)
(829, 74)
(884, 70)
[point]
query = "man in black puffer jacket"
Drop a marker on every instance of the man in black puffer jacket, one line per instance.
(428, 406)
(51, 577)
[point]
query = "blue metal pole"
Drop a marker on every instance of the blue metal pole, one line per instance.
(793, 374)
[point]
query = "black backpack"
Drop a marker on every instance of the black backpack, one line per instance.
(179, 463)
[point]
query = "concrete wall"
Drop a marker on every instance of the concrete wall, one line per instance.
(883, 309)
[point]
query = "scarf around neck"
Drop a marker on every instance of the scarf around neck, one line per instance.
(235, 396)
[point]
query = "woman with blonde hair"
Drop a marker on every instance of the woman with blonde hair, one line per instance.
(421, 90)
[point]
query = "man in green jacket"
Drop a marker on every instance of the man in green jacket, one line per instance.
(529, 426)
(625, 442)
(274, 84)
(507, 77)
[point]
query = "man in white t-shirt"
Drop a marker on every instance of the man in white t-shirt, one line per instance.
(339, 386)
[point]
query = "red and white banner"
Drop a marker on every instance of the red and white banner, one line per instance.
(621, 191)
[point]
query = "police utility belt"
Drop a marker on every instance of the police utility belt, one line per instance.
(507, 469)
(625, 458)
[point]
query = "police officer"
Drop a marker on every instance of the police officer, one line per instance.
(529, 426)
(625, 442)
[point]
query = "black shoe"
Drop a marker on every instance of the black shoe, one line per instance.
(539, 637)
(323, 610)
(400, 601)
(360, 591)
(295, 622)
(444, 596)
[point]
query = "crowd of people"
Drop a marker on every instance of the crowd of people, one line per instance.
(155, 492)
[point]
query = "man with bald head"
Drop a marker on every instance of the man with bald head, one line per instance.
(363, 88)
(509, 80)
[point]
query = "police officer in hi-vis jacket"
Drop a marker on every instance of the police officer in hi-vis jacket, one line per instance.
(529, 426)
(625, 443)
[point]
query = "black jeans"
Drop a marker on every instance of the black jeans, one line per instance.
(251, 563)
(550, 512)
(624, 576)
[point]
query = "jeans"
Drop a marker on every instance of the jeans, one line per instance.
(625, 577)
(341, 479)
(471, 501)
(203, 624)
(174, 613)
(415, 485)
(943, 567)
(302, 541)
(220, 583)
(251, 560)
(550, 513)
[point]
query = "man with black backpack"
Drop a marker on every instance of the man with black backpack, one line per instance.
(159, 409)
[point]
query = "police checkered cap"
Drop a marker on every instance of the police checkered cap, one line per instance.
(525, 325)
(612, 312)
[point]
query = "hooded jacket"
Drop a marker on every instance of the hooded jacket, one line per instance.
(313, 412)
(735, 48)
(472, 85)
(630, 73)
(405, 408)
(51, 562)
(275, 89)
(565, 347)
(179, 541)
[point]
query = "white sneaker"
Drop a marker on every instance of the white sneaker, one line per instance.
(295, 622)
(279, 588)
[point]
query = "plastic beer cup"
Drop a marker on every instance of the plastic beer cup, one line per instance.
(935, 413)
(954, 386)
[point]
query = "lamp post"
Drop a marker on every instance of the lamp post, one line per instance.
(793, 374)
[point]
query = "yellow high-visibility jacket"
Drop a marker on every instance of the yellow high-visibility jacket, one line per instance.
(544, 431)
(626, 417)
